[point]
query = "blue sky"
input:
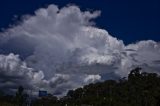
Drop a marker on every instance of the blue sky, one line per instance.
(57, 47)
(129, 20)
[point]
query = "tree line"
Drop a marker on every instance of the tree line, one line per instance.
(138, 89)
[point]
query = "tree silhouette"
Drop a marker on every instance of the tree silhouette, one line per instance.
(20, 96)
(138, 89)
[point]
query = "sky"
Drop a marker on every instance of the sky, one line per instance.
(130, 20)
(58, 45)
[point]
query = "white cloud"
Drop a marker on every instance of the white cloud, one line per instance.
(92, 78)
(14, 72)
(68, 51)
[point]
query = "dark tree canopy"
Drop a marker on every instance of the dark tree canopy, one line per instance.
(139, 89)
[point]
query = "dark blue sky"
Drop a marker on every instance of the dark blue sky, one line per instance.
(129, 20)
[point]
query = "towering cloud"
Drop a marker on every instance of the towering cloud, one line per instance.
(61, 49)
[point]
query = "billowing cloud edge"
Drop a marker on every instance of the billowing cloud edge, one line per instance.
(67, 51)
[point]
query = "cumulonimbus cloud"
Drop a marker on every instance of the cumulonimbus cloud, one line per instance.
(62, 50)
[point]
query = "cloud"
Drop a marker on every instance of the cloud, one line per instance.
(14, 72)
(92, 78)
(61, 49)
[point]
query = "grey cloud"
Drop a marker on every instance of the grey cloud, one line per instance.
(156, 61)
(92, 78)
(68, 51)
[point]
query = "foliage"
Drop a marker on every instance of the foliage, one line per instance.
(139, 89)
